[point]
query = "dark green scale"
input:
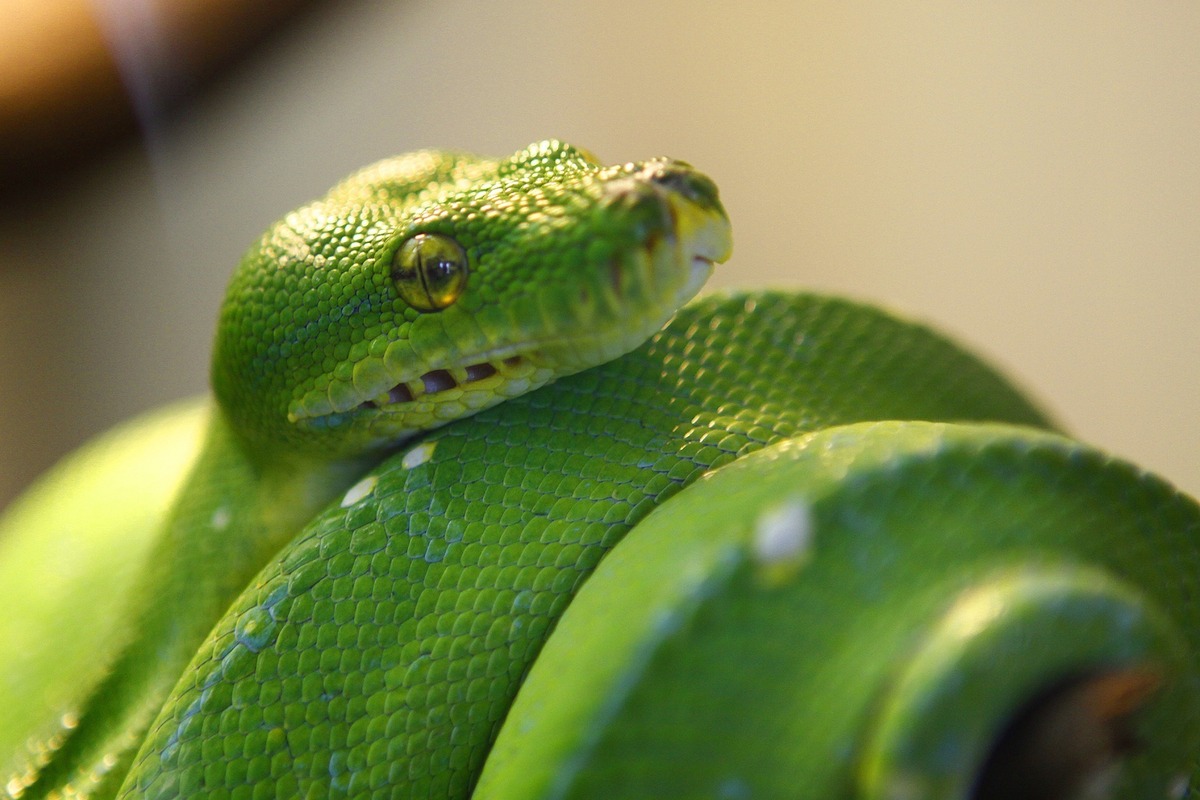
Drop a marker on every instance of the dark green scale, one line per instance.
(378, 654)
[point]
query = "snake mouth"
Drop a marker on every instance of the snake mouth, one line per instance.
(441, 380)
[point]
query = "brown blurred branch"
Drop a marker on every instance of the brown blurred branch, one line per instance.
(72, 71)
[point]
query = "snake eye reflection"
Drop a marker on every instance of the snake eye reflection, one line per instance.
(430, 271)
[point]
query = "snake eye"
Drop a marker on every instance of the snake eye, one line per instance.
(430, 271)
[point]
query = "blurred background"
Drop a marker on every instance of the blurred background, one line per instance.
(1023, 175)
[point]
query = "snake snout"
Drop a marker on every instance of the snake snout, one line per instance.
(668, 198)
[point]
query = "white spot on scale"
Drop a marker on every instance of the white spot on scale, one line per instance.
(783, 533)
(418, 455)
(359, 490)
(221, 518)
(1178, 788)
(783, 537)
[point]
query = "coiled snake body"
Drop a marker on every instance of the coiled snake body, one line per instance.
(853, 562)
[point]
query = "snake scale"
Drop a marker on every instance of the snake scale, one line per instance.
(466, 520)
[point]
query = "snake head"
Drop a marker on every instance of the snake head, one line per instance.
(433, 285)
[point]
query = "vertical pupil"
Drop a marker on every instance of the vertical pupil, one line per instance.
(438, 271)
(421, 273)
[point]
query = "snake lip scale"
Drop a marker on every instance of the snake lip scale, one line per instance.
(440, 380)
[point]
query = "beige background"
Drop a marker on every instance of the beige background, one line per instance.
(1025, 175)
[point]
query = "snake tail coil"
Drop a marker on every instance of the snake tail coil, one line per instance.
(883, 611)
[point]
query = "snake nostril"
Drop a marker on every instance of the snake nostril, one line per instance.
(697, 188)
(678, 176)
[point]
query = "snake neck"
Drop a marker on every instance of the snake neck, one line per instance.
(234, 511)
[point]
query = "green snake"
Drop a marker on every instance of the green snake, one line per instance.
(854, 562)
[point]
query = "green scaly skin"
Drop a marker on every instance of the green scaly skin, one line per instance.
(858, 613)
(323, 360)
(379, 654)
(820, 590)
